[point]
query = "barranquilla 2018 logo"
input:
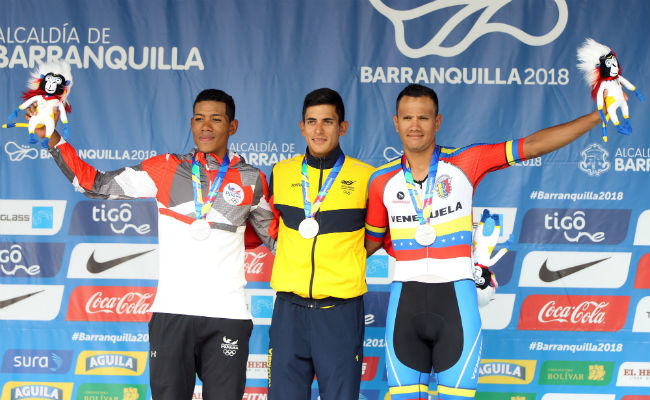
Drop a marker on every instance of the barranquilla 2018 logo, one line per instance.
(592, 373)
(111, 363)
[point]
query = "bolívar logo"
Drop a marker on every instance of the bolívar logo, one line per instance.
(586, 226)
(233, 194)
(110, 303)
(594, 160)
(111, 362)
(573, 313)
(30, 259)
(443, 186)
(593, 373)
(114, 218)
(229, 346)
(37, 361)
(111, 391)
(481, 27)
(258, 264)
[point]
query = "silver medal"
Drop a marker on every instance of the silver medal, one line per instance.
(200, 229)
(308, 228)
(425, 235)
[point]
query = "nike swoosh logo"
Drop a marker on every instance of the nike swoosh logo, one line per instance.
(8, 302)
(547, 275)
(95, 267)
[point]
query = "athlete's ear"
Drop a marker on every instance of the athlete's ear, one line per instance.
(395, 122)
(343, 127)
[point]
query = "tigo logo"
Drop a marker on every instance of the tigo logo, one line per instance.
(571, 226)
(111, 218)
(111, 363)
(26, 260)
(573, 313)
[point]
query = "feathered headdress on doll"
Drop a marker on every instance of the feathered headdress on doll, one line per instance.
(36, 83)
(591, 61)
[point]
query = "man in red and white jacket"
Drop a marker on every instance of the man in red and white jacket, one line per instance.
(200, 322)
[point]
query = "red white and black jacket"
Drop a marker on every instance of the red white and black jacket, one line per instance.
(197, 277)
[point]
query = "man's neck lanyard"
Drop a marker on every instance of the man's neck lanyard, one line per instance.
(201, 228)
(425, 234)
(308, 228)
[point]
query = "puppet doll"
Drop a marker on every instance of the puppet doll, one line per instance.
(49, 86)
(485, 238)
(603, 72)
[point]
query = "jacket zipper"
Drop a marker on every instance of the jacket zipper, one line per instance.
(313, 246)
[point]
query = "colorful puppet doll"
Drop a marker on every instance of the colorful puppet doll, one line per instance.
(49, 86)
(484, 240)
(603, 72)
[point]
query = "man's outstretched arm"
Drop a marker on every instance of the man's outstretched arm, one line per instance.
(550, 139)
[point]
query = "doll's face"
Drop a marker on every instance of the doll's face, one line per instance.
(52, 84)
(612, 64)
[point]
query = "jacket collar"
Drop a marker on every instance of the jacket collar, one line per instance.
(325, 163)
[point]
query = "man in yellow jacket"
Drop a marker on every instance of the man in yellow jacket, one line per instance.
(319, 202)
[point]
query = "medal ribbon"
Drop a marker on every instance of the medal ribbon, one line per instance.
(311, 209)
(422, 209)
(202, 207)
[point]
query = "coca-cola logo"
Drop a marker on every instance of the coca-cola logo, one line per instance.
(111, 303)
(369, 368)
(574, 313)
(258, 264)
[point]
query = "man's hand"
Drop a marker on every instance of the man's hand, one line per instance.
(40, 131)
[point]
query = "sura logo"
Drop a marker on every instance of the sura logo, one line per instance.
(594, 160)
(481, 27)
(12, 262)
(119, 218)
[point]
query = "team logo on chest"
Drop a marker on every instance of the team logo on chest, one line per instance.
(443, 186)
(233, 194)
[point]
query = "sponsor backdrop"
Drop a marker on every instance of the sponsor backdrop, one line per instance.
(572, 316)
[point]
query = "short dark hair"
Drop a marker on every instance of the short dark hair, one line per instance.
(219, 96)
(415, 90)
(324, 96)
